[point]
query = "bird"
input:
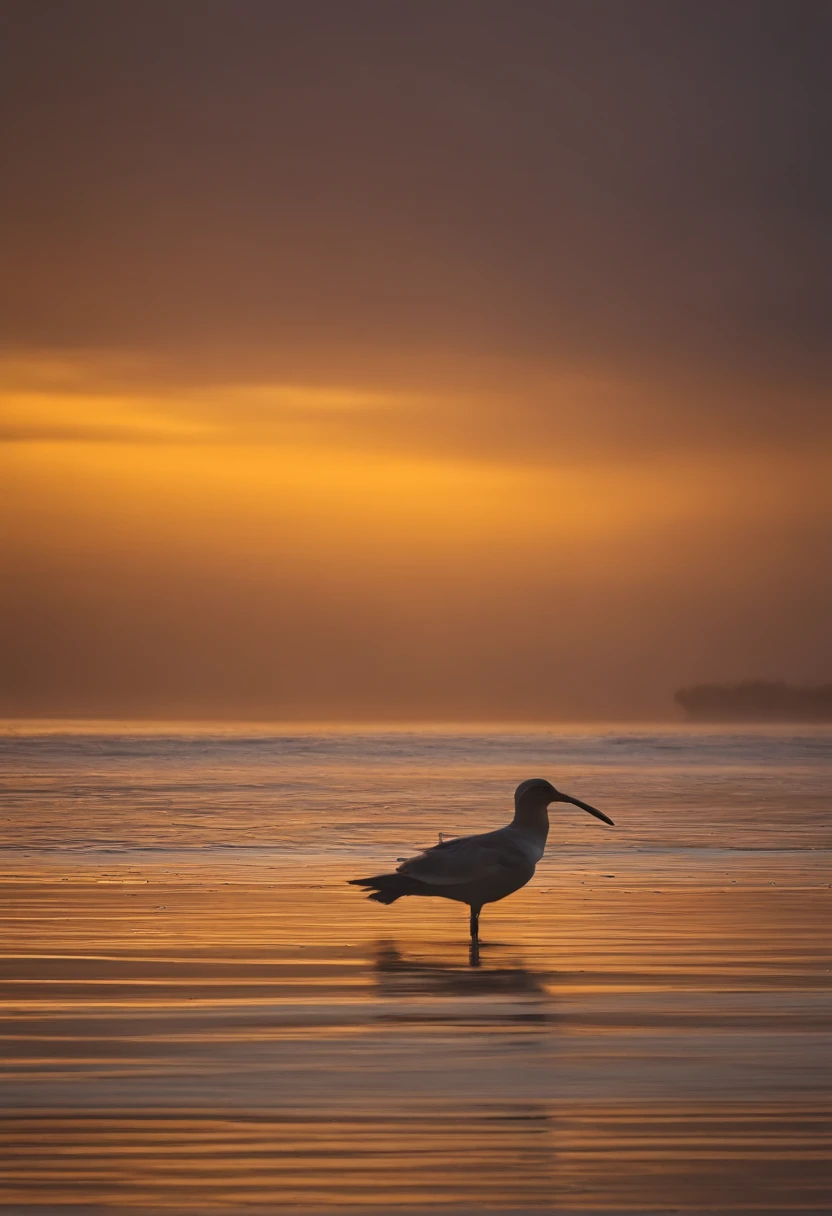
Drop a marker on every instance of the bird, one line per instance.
(479, 870)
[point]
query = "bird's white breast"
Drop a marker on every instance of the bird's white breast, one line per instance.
(529, 842)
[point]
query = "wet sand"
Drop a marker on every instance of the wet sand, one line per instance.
(225, 1038)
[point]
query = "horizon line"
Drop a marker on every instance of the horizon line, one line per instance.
(10, 726)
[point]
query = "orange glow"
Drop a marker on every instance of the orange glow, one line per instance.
(320, 502)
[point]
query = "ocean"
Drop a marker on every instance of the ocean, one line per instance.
(200, 1015)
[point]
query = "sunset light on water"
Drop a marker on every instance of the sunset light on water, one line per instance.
(414, 435)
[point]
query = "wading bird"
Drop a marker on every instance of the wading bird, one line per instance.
(478, 870)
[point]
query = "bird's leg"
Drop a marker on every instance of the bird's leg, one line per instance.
(474, 952)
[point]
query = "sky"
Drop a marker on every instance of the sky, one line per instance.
(460, 360)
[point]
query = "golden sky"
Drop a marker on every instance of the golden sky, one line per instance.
(402, 362)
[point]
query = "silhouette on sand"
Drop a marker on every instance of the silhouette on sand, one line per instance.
(479, 870)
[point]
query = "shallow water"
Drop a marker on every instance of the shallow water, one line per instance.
(200, 1015)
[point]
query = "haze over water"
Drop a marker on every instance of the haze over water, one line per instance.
(394, 362)
(200, 1015)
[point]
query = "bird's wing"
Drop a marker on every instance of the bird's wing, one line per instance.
(465, 859)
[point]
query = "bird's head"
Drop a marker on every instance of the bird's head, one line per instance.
(533, 797)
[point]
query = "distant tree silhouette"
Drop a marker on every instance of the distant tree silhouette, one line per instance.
(757, 701)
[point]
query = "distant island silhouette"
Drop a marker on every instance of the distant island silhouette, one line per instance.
(756, 701)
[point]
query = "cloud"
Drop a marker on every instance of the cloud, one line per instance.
(427, 358)
(479, 410)
(569, 186)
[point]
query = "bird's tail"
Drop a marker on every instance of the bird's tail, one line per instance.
(387, 888)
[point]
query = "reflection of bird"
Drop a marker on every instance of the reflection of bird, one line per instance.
(477, 870)
(399, 976)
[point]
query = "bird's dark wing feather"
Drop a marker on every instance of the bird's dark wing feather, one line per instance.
(466, 859)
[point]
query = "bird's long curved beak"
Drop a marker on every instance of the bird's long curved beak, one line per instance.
(590, 810)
